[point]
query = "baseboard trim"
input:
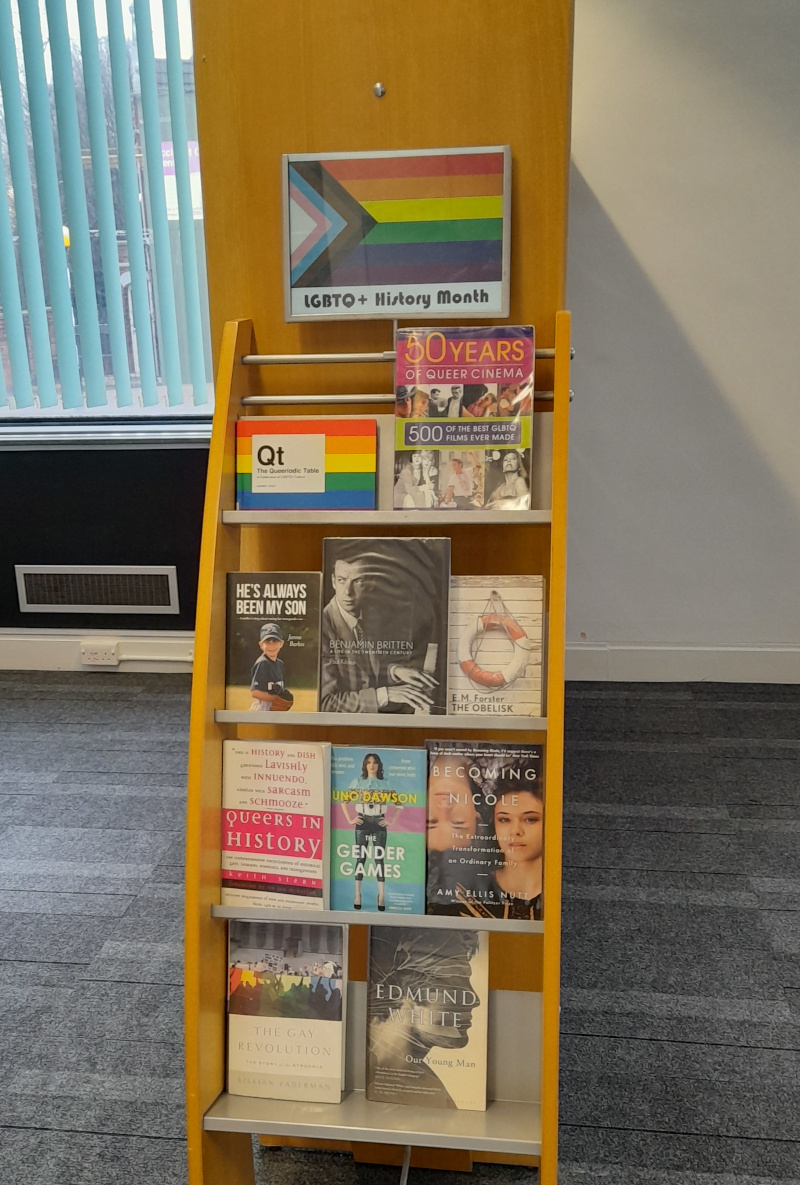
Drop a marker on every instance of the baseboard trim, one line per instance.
(638, 663)
(156, 651)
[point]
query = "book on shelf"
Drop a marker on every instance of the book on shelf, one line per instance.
(384, 625)
(305, 463)
(275, 824)
(287, 986)
(378, 821)
(496, 641)
(485, 833)
(272, 658)
(464, 418)
(427, 1010)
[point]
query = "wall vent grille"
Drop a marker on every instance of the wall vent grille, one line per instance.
(87, 588)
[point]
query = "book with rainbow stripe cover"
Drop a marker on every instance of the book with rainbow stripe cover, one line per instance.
(305, 464)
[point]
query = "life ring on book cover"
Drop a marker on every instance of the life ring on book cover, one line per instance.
(494, 680)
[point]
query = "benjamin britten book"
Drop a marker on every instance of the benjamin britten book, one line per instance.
(496, 633)
(305, 463)
(427, 1010)
(275, 826)
(378, 821)
(286, 1010)
(464, 418)
(273, 641)
(383, 637)
(485, 829)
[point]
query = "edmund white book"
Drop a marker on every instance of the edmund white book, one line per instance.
(275, 824)
(495, 645)
(286, 1011)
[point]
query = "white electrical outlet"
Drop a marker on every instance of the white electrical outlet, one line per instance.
(100, 652)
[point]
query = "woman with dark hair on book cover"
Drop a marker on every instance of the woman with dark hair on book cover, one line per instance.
(371, 824)
(421, 999)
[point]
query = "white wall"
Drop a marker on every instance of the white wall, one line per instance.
(684, 281)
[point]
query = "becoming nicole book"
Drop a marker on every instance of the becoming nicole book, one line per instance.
(286, 1011)
(378, 821)
(275, 827)
(427, 1009)
(485, 829)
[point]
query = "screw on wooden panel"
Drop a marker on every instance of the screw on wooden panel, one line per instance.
(379, 90)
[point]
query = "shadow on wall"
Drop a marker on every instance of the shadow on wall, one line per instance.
(679, 532)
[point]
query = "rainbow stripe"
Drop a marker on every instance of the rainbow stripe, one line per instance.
(350, 464)
(434, 219)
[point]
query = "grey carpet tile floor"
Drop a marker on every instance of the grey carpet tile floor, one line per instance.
(681, 971)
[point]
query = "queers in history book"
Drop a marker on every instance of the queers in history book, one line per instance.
(272, 641)
(485, 829)
(427, 1009)
(496, 643)
(383, 637)
(286, 1010)
(378, 823)
(275, 826)
(464, 418)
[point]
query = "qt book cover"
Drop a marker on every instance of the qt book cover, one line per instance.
(485, 829)
(273, 641)
(384, 625)
(286, 992)
(427, 1009)
(275, 828)
(378, 823)
(464, 418)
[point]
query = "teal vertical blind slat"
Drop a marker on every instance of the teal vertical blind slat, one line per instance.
(24, 210)
(158, 202)
(3, 391)
(104, 201)
(50, 212)
(129, 184)
(80, 248)
(22, 388)
(180, 154)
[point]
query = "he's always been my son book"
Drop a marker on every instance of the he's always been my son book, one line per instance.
(378, 829)
(286, 1011)
(427, 1009)
(273, 641)
(275, 825)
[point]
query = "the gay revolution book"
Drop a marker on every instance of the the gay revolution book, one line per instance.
(427, 1008)
(383, 638)
(485, 829)
(496, 631)
(275, 826)
(305, 463)
(273, 641)
(286, 1011)
(464, 418)
(378, 823)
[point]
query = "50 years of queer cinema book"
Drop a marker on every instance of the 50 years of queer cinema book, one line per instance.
(286, 1011)
(427, 1008)
(464, 418)
(378, 829)
(485, 833)
(275, 828)
(384, 625)
(273, 641)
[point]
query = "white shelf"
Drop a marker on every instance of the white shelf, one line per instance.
(385, 518)
(384, 720)
(503, 1127)
(348, 917)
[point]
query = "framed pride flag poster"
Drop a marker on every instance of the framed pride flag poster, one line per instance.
(419, 233)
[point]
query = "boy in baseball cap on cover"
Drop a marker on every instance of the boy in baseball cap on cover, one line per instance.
(267, 682)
